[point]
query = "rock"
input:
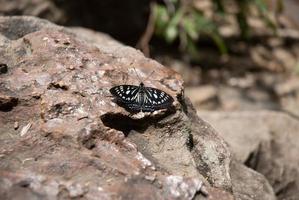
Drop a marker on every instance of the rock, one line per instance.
(248, 184)
(216, 194)
(191, 76)
(203, 97)
(288, 93)
(76, 142)
(291, 8)
(110, 16)
(254, 98)
(39, 8)
(194, 144)
(266, 142)
(178, 187)
(240, 134)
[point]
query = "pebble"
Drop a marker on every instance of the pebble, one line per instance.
(16, 125)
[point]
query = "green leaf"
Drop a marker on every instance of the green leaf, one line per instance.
(187, 23)
(261, 5)
(242, 18)
(190, 28)
(171, 31)
(243, 25)
(279, 6)
(174, 1)
(219, 43)
(176, 17)
(202, 23)
(192, 49)
(161, 18)
(208, 27)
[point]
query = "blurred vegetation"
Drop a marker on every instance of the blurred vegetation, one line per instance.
(186, 21)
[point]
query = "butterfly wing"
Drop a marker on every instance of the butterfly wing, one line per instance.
(156, 99)
(136, 99)
(127, 96)
(125, 93)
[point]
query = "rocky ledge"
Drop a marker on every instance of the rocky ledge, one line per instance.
(266, 141)
(63, 136)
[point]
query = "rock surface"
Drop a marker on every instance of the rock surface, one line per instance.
(39, 8)
(267, 142)
(125, 20)
(249, 184)
(62, 135)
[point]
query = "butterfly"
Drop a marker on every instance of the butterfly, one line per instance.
(140, 98)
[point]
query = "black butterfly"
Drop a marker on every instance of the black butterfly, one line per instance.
(140, 98)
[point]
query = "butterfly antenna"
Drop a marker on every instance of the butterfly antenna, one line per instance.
(137, 75)
(145, 78)
(150, 75)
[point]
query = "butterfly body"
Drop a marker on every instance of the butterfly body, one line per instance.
(140, 98)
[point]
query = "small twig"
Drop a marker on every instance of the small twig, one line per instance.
(170, 6)
(143, 43)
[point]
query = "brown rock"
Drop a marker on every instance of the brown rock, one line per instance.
(109, 16)
(203, 97)
(265, 141)
(80, 144)
(249, 184)
(216, 194)
(39, 8)
(288, 93)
